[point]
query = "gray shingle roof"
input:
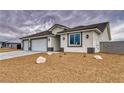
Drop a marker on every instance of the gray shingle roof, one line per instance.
(45, 32)
(100, 26)
(39, 34)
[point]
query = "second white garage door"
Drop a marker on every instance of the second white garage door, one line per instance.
(39, 45)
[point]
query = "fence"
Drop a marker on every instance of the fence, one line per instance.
(112, 47)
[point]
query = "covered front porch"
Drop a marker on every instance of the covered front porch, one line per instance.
(54, 43)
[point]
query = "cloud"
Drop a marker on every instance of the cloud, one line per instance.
(118, 31)
(118, 27)
(20, 23)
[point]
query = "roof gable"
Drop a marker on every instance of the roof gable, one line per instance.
(47, 32)
(59, 26)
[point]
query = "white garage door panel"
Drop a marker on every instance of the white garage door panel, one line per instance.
(25, 45)
(39, 45)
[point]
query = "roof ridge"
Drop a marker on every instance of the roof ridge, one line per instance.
(101, 26)
(99, 23)
(91, 24)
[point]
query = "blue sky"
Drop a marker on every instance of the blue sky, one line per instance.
(15, 24)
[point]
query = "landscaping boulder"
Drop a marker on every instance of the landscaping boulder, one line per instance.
(98, 57)
(40, 60)
(49, 53)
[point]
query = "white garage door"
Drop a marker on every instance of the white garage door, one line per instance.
(39, 45)
(25, 47)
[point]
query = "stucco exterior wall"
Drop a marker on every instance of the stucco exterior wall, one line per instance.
(57, 29)
(50, 41)
(97, 38)
(85, 43)
(104, 36)
(54, 42)
(63, 42)
(96, 43)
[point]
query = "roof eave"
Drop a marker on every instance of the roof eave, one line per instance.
(37, 37)
(98, 31)
(94, 29)
(109, 32)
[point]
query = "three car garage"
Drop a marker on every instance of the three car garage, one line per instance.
(35, 44)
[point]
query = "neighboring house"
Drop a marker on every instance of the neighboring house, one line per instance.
(11, 44)
(62, 38)
(2, 44)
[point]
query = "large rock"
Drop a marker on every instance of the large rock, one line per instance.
(49, 53)
(40, 60)
(98, 57)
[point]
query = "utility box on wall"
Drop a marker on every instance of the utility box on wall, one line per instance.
(90, 50)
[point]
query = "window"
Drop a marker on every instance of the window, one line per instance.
(75, 39)
(72, 39)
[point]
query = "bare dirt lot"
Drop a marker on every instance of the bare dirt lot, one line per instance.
(6, 50)
(68, 67)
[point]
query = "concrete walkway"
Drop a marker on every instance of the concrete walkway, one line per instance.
(12, 54)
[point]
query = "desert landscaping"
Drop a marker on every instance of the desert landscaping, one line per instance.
(7, 50)
(63, 67)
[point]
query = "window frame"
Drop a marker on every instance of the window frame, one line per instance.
(74, 45)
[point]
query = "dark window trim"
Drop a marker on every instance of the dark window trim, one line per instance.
(69, 41)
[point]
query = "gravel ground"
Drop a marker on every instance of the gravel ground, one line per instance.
(68, 67)
(7, 50)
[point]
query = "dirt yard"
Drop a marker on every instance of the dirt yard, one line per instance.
(69, 67)
(6, 50)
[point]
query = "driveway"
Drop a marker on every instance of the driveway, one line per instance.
(12, 54)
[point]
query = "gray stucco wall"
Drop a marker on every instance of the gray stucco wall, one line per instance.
(112, 47)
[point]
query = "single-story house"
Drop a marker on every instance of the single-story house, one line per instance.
(13, 45)
(8, 44)
(2, 44)
(61, 38)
